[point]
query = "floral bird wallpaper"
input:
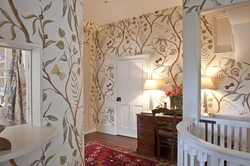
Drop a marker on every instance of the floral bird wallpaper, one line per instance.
(199, 5)
(158, 34)
(230, 77)
(57, 27)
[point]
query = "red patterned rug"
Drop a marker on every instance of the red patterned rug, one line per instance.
(99, 154)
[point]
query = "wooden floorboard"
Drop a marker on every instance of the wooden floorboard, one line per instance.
(120, 141)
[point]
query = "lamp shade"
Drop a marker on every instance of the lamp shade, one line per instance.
(150, 85)
(207, 83)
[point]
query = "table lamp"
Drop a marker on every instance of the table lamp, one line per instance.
(206, 83)
(150, 85)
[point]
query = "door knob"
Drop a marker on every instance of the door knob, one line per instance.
(119, 99)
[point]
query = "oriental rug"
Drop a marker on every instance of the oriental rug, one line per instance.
(102, 154)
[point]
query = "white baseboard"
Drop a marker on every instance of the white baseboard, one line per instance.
(106, 129)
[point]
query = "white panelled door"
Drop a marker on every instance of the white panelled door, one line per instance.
(131, 75)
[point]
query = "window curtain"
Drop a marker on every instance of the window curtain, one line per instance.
(15, 90)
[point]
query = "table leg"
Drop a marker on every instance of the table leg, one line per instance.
(12, 162)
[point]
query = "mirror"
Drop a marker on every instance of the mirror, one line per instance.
(15, 86)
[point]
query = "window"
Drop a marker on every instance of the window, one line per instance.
(222, 34)
(33, 53)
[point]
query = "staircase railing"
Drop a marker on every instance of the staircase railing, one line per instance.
(226, 133)
(193, 150)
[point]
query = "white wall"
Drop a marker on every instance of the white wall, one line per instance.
(116, 10)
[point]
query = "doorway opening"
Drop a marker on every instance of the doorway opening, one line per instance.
(15, 86)
(20, 83)
(131, 73)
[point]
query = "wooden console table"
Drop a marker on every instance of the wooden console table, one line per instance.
(146, 137)
(25, 139)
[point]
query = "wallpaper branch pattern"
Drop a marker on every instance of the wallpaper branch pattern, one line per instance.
(43, 159)
(62, 70)
(231, 77)
(158, 34)
(195, 6)
(22, 27)
(43, 23)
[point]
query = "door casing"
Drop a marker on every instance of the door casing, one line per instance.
(143, 56)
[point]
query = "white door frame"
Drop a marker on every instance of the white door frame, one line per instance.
(36, 76)
(135, 57)
(86, 90)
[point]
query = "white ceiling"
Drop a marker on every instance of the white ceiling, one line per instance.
(99, 12)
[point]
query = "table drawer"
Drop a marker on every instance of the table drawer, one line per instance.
(146, 144)
(145, 120)
(147, 127)
(143, 134)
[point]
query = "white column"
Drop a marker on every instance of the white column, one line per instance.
(191, 66)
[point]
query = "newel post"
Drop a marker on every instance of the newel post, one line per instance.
(191, 66)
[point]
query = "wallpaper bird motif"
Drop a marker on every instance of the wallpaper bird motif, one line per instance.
(60, 35)
(231, 77)
(198, 5)
(158, 34)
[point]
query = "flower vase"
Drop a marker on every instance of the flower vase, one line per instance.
(176, 102)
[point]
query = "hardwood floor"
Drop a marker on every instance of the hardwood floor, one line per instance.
(120, 141)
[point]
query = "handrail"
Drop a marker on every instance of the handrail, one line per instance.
(226, 122)
(207, 121)
(208, 148)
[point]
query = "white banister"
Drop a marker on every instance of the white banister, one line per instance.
(226, 133)
(222, 135)
(180, 151)
(216, 134)
(186, 155)
(202, 158)
(236, 138)
(194, 151)
(244, 139)
(229, 138)
(210, 134)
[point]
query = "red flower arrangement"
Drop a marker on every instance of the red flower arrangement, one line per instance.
(174, 92)
(175, 98)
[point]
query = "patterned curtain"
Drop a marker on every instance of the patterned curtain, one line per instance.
(15, 90)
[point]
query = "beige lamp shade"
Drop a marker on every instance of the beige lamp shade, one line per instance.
(207, 83)
(150, 85)
(162, 84)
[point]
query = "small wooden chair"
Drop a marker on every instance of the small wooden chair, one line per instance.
(165, 128)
